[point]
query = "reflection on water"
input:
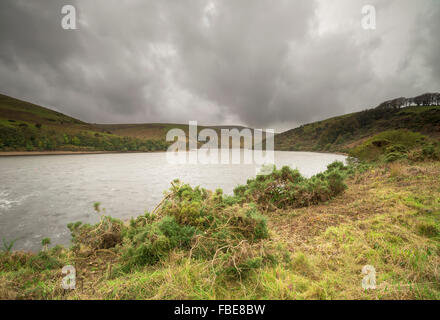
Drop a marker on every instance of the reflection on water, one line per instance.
(39, 195)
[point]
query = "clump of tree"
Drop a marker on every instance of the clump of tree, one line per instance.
(426, 99)
(30, 138)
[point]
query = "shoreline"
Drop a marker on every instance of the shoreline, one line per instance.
(60, 152)
(57, 153)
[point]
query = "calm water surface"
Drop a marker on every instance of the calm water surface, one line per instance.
(39, 195)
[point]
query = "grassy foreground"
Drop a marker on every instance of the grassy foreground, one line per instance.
(255, 245)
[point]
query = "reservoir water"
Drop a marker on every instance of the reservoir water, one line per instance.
(40, 195)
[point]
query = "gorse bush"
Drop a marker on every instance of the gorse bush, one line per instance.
(287, 188)
(194, 220)
(394, 156)
(199, 223)
(147, 242)
(398, 148)
(390, 146)
(431, 151)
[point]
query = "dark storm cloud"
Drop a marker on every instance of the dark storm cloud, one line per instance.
(430, 41)
(260, 63)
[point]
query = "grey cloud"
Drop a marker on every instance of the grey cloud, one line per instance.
(259, 63)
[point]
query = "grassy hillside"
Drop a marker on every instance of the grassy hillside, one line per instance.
(28, 127)
(11, 108)
(344, 132)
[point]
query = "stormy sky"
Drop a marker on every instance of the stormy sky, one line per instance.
(261, 63)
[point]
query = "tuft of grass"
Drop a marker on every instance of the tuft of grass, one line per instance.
(8, 245)
(45, 243)
(395, 170)
(428, 229)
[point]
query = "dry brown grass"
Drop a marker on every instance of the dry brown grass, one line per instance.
(363, 199)
(376, 221)
(358, 202)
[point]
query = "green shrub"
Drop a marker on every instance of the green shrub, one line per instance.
(288, 188)
(388, 146)
(178, 235)
(399, 148)
(394, 156)
(431, 151)
(146, 253)
(44, 261)
(45, 243)
(191, 220)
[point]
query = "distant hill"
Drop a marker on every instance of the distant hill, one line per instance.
(21, 111)
(28, 127)
(157, 130)
(419, 114)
